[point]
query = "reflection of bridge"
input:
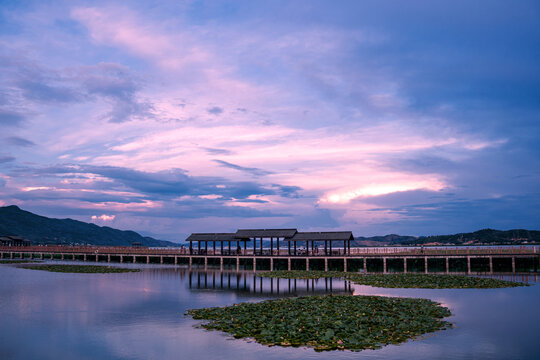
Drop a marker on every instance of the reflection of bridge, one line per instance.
(442, 260)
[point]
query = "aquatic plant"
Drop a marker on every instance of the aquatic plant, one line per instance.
(17, 261)
(328, 322)
(426, 281)
(85, 269)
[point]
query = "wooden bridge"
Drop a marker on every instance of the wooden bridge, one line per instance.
(469, 260)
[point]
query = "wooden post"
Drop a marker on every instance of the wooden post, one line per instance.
(271, 246)
(221, 263)
(330, 247)
(190, 262)
(344, 264)
(61, 256)
(447, 265)
(237, 264)
(491, 265)
(134, 259)
(365, 265)
(41, 256)
(221, 246)
(307, 264)
(468, 264)
(254, 245)
(425, 265)
(97, 257)
(176, 260)
(404, 265)
(121, 259)
(254, 264)
(161, 259)
(190, 247)
(271, 264)
(277, 245)
(205, 263)
(326, 247)
(295, 248)
(513, 264)
(261, 246)
(214, 247)
(148, 258)
(325, 263)
(384, 265)
(289, 244)
(108, 257)
(289, 264)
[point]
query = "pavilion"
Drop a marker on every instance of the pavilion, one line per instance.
(236, 243)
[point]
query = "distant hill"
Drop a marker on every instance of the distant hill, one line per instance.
(43, 230)
(480, 237)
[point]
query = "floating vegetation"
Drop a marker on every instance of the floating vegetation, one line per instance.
(85, 269)
(425, 281)
(17, 261)
(328, 322)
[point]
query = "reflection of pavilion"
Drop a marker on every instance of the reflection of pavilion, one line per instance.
(244, 282)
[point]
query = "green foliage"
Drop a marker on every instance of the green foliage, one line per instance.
(84, 269)
(426, 281)
(328, 322)
(17, 261)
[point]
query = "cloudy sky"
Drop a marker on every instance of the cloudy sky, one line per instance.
(409, 117)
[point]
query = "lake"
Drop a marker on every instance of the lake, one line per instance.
(48, 315)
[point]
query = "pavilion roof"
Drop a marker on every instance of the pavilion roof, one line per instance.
(265, 233)
(214, 237)
(323, 235)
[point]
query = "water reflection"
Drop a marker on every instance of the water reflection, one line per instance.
(141, 316)
(250, 283)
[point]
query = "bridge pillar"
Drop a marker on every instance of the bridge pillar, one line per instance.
(425, 265)
(41, 256)
(238, 263)
(307, 264)
(447, 265)
(254, 264)
(134, 259)
(62, 256)
(161, 259)
(121, 259)
(404, 265)
(325, 264)
(221, 263)
(289, 264)
(384, 265)
(491, 264)
(365, 265)
(205, 263)
(190, 262)
(271, 264)
(108, 257)
(344, 264)
(148, 259)
(468, 264)
(11, 255)
(513, 264)
(52, 256)
(176, 260)
(97, 257)
(73, 257)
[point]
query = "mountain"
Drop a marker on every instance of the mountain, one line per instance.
(483, 237)
(391, 239)
(480, 237)
(43, 230)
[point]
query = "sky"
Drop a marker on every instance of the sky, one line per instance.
(172, 117)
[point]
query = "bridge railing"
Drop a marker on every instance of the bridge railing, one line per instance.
(142, 251)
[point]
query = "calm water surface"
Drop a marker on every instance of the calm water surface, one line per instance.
(141, 316)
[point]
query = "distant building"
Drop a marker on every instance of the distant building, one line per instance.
(11, 240)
